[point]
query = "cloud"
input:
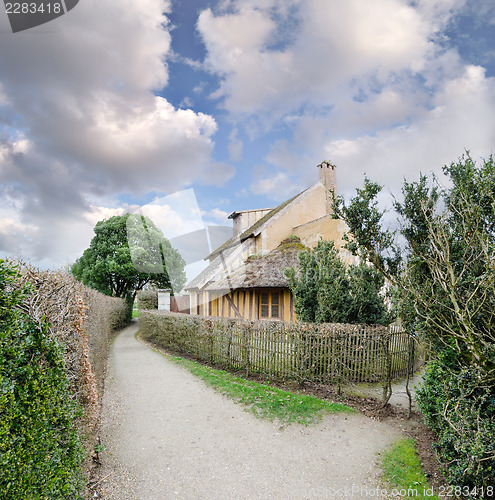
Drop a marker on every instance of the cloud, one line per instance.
(14, 236)
(218, 215)
(460, 119)
(235, 146)
(79, 118)
(331, 45)
(186, 103)
(376, 87)
(277, 186)
(175, 214)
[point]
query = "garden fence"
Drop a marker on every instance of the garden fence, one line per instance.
(301, 351)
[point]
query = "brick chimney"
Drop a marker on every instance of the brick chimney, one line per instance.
(328, 177)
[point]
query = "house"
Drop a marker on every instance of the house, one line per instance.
(245, 277)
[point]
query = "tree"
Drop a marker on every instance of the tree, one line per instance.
(325, 290)
(444, 270)
(126, 253)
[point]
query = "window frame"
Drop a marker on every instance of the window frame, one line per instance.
(270, 305)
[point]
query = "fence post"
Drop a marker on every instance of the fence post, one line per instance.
(410, 371)
(387, 386)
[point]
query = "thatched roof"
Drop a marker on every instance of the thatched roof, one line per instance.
(265, 271)
(215, 269)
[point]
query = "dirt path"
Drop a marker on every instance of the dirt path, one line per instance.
(167, 435)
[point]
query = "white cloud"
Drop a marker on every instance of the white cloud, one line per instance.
(218, 215)
(96, 213)
(81, 121)
(235, 146)
(15, 236)
(461, 119)
(332, 45)
(83, 94)
(374, 87)
(277, 187)
(175, 214)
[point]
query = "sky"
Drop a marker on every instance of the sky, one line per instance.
(127, 106)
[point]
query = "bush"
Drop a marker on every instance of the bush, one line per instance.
(309, 351)
(103, 316)
(81, 320)
(40, 452)
(147, 299)
(326, 290)
(461, 411)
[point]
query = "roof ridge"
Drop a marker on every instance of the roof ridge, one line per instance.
(245, 234)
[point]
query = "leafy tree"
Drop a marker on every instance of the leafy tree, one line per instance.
(327, 291)
(444, 269)
(367, 303)
(126, 253)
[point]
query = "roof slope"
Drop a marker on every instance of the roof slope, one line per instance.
(250, 231)
(264, 271)
(217, 266)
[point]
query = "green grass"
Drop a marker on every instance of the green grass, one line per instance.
(263, 400)
(402, 469)
(135, 313)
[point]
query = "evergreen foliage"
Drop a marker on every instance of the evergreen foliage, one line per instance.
(126, 253)
(325, 290)
(445, 275)
(40, 451)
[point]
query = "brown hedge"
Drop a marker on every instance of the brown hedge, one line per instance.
(300, 351)
(84, 322)
(147, 299)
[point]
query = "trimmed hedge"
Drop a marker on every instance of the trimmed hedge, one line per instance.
(147, 299)
(300, 351)
(83, 322)
(40, 451)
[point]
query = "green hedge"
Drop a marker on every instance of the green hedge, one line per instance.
(40, 452)
(147, 299)
(460, 407)
(301, 351)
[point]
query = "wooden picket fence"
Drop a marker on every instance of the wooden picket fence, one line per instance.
(316, 352)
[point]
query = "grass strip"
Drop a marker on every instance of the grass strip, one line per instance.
(402, 470)
(262, 400)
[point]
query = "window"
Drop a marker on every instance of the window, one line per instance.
(270, 305)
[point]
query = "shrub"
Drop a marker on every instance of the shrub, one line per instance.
(81, 320)
(40, 452)
(302, 351)
(147, 299)
(462, 413)
(443, 267)
(326, 290)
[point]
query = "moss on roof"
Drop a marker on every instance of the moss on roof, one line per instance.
(250, 230)
(262, 271)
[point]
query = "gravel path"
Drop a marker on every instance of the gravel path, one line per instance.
(168, 435)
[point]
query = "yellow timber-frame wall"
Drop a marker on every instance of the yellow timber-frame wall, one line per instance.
(249, 304)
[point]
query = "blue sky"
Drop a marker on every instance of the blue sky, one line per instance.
(116, 105)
